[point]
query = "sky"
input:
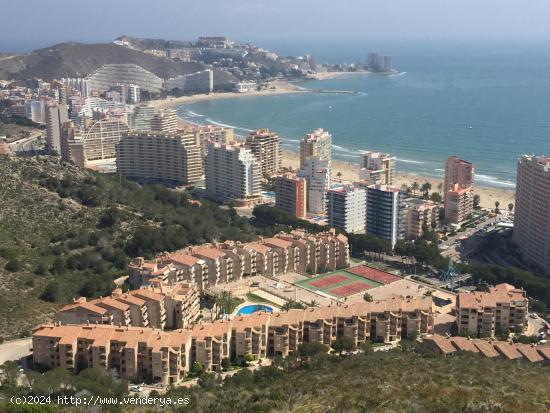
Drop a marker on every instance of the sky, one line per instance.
(29, 24)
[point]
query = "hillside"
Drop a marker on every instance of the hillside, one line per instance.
(79, 60)
(65, 232)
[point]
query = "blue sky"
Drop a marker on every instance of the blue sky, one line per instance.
(35, 23)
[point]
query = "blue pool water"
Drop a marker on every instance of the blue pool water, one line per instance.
(254, 308)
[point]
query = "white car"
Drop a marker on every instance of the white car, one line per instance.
(135, 388)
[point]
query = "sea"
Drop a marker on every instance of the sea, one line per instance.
(486, 103)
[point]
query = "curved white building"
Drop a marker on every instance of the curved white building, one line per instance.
(101, 138)
(127, 73)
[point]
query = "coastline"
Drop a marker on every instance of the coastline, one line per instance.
(349, 170)
(280, 88)
(350, 173)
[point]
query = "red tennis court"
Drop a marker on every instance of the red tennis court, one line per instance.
(331, 279)
(350, 289)
(373, 274)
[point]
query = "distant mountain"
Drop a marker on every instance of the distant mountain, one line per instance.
(79, 60)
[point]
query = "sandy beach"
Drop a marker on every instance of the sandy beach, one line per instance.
(349, 171)
(277, 88)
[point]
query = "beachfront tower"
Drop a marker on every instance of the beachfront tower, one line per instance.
(532, 210)
(266, 147)
(377, 168)
(316, 172)
(347, 208)
(291, 194)
(385, 213)
(458, 190)
(317, 143)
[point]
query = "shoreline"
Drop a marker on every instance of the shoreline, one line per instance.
(350, 173)
(280, 88)
(349, 170)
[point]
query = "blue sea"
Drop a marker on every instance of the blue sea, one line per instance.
(487, 104)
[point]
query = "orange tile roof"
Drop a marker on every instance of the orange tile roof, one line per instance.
(529, 352)
(88, 306)
(130, 299)
(507, 350)
(208, 252)
(463, 344)
(320, 313)
(544, 351)
(277, 242)
(442, 343)
(486, 348)
(215, 329)
(253, 320)
(109, 302)
(291, 317)
(183, 258)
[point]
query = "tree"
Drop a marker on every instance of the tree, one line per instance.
(339, 175)
(311, 349)
(440, 187)
(367, 297)
(436, 197)
(249, 357)
(343, 343)
(415, 187)
(510, 207)
(477, 200)
(226, 363)
(497, 204)
(291, 304)
(426, 187)
(51, 292)
(12, 265)
(198, 368)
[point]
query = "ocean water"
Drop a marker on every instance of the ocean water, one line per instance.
(486, 104)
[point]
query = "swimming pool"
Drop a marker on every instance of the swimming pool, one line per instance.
(254, 308)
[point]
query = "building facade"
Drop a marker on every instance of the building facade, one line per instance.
(165, 120)
(419, 216)
(266, 147)
(291, 195)
(160, 156)
(503, 308)
(127, 73)
(146, 354)
(532, 210)
(232, 172)
(56, 115)
(316, 172)
(377, 168)
(199, 82)
(385, 213)
(100, 139)
(347, 208)
(316, 144)
(458, 190)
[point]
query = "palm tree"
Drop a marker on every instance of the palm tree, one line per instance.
(339, 175)
(510, 207)
(313, 303)
(497, 204)
(440, 187)
(428, 187)
(414, 187)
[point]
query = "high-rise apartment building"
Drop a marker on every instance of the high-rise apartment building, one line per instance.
(213, 134)
(317, 144)
(140, 119)
(160, 156)
(532, 210)
(291, 195)
(377, 168)
(458, 189)
(232, 172)
(385, 213)
(127, 73)
(316, 172)
(165, 120)
(199, 82)
(100, 139)
(266, 147)
(56, 115)
(347, 208)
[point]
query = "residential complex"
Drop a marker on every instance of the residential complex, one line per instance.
(232, 172)
(141, 117)
(213, 134)
(266, 147)
(316, 144)
(316, 172)
(162, 306)
(458, 190)
(503, 308)
(171, 157)
(291, 195)
(126, 73)
(347, 208)
(377, 168)
(99, 140)
(532, 210)
(145, 354)
(212, 264)
(385, 213)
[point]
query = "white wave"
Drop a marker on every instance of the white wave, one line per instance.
(194, 114)
(225, 125)
(494, 181)
(292, 140)
(339, 148)
(409, 161)
(398, 74)
(439, 169)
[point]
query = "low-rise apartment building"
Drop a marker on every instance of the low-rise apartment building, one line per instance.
(212, 264)
(141, 353)
(503, 308)
(157, 305)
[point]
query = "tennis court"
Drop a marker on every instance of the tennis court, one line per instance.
(373, 274)
(338, 284)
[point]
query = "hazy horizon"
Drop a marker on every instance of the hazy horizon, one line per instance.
(263, 22)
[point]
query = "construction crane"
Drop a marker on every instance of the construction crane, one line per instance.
(450, 274)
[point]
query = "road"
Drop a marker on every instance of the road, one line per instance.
(15, 349)
(461, 251)
(27, 144)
